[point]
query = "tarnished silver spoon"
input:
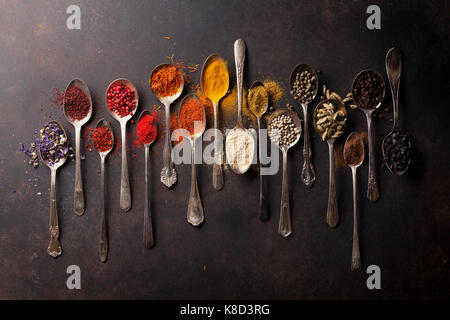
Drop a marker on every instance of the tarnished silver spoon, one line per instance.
(78, 196)
(103, 243)
(125, 192)
(54, 248)
(168, 173)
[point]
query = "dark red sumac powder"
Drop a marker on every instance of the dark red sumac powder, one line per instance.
(77, 103)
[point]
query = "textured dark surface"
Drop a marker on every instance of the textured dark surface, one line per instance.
(233, 255)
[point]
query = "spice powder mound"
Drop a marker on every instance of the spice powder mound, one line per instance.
(77, 103)
(146, 129)
(103, 139)
(166, 81)
(258, 99)
(354, 150)
(191, 116)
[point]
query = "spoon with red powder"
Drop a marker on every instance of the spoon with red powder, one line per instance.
(146, 133)
(78, 111)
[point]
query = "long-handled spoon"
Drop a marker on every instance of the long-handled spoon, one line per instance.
(54, 248)
(148, 226)
(308, 174)
(285, 226)
(218, 153)
(263, 209)
(168, 173)
(356, 256)
(125, 192)
(239, 130)
(372, 185)
(332, 209)
(394, 71)
(78, 196)
(195, 214)
(103, 243)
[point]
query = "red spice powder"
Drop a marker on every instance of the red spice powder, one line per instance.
(103, 139)
(190, 114)
(146, 129)
(77, 103)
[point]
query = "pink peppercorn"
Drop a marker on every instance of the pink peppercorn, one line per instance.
(120, 99)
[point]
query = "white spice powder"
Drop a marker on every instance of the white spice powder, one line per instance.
(240, 149)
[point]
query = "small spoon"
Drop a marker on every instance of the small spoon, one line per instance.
(148, 226)
(125, 193)
(54, 248)
(168, 173)
(372, 186)
(285, 226)
(332, 209)
(78, 196)
(239, 56)
(218, 155)
(356, 256)
(103, 243)
(394, 71)
(263, 210)
(308, 174)
(195, 214)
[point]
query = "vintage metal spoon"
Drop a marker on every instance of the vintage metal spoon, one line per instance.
(168, 173)
(148, 225)
(54, 248)
(356, 256)
(308, 174)
(125, 192)
(263, 206)
(372, 186)
(217, 167)
(78, 196)
(285, 226)
(195, 214)
(103, 242)
(394, 71)
(239, 56)
(332, 209)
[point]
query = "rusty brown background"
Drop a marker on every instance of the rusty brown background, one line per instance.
(233, 255)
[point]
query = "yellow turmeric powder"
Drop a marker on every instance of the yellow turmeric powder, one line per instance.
(215, 79)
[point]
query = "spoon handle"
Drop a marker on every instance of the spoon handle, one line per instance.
(217, 166)
(263, 209)
(394, 70)
(372, 185)
(285, 227)
(125, 194)
(103, 243)
(54, 248)
(168, 173)
(78, 196)
(332, 210)
(239, 58)
(148, 227)
(308, 174)
(356, 256)
(195, 210)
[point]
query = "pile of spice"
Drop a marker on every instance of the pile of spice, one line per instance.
(354, 150)
(120, 99)
(397, 151)
(102, 138)
(240, 148)
(77, 104)
(215, 79)
(304, 87)
(53, 143)
(258, 99)
(192, 116)
(166, 81)
(369, 90)
(283, 130)
(274, 91)
(146, 129)
(330, 121)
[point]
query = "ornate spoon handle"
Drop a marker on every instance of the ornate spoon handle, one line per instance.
(332, 210)
(356, 256)
(54, 248)
(285, 227)
(103, 243)
(195, 210)
(148, 227)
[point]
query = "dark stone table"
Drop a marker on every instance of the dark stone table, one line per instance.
(233, 255)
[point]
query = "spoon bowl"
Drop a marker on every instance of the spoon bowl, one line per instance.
(129, 84)
(103, 122)
(203, 127)
(336, 103)
(83, 87)
(55, 166)
(295, 119)
(168, 99)
(255, 85)
(300, 68)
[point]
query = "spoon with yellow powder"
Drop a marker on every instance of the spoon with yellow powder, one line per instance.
(215, 81)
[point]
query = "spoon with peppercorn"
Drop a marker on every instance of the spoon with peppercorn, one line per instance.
(53, 152)
(122, 100)
(304, 85)
(103, 143)
(354, 157)
(168, 173)
(284, 129)
(147, 137)
(396, 147)
(78, 111)
(368, 91)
